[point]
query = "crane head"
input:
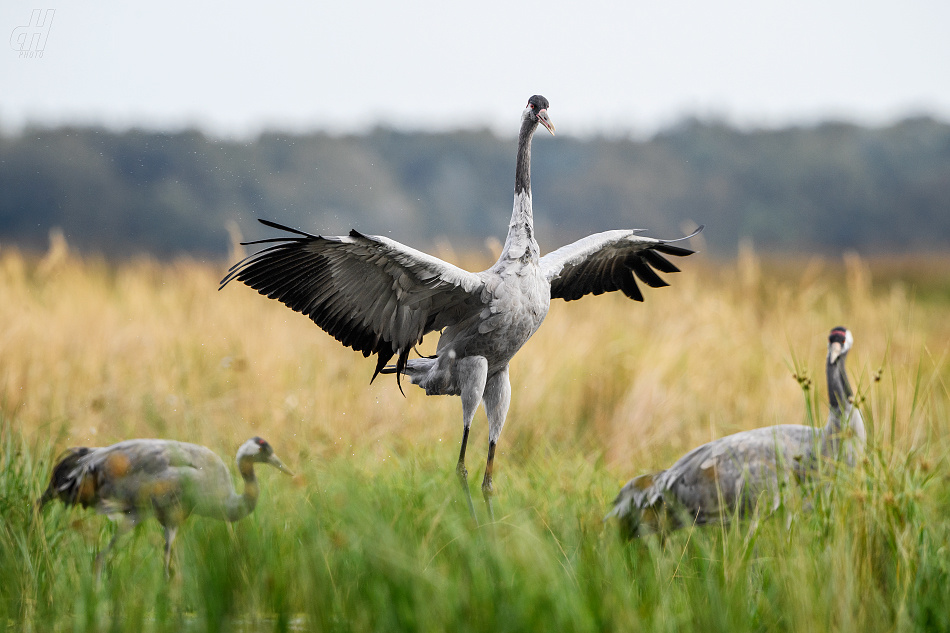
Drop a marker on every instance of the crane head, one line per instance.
(839, 343)
(260, 451)
(537, 112)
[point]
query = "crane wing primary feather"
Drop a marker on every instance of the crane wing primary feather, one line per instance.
(610, 261)
(369, 292)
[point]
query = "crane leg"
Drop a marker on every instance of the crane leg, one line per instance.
(462, 474)
(123, 524)
(497, 399)
(472, 372)
(487, 490)
(170, 532)
(460, 469)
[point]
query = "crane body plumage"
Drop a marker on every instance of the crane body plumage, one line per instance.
(135, 479)
(733, 473)
(381, 297)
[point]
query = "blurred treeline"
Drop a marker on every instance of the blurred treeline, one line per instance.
(817, 189)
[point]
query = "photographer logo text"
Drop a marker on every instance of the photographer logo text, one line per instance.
(30, 40)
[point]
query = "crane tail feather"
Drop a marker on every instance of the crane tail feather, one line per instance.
(401, 361)
(637, 506)
(382, 357)
(68, 481)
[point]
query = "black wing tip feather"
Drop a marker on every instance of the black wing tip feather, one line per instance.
(659, 262)
(641, 268)
(278, 243)
(584, 280)
(239, 267)
(283, 227)
(675, 251)
(262, 270)
(271, 240)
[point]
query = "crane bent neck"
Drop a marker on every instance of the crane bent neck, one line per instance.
(520, 243)
(239, 506)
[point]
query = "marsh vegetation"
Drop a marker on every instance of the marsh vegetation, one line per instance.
(373, 533)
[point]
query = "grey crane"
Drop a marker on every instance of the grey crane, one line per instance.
(135, 479)
(730, 474)
(380, 297)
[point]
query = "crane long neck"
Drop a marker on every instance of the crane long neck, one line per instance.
(242, 505)
(523, 166)
(520, 243)
(839, 389)
(845, 423)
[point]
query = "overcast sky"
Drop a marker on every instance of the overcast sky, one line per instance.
(607, 67)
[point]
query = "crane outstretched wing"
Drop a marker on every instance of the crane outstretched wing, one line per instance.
(369, 292)
(608, 261)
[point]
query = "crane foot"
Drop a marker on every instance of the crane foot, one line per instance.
(487, 494)
(487, 489)
(462, 474)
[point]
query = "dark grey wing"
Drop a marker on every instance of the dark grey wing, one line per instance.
(111, 477)
(610, 261)
(145, 455)
(369, 292)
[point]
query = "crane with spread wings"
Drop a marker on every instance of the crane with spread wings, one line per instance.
(380, 297)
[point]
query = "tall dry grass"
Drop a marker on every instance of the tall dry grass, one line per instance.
(92, 352)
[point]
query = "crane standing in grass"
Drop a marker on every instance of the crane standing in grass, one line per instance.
(133, 479)
(380, 297)
(731, 473)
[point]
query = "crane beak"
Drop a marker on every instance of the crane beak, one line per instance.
(834, 352)
(545, 120)
(279, 465)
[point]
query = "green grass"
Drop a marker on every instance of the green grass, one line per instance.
(395, 549)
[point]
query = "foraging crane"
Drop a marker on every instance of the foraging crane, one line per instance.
(731, 473)
(380, 297)
(130, 480)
